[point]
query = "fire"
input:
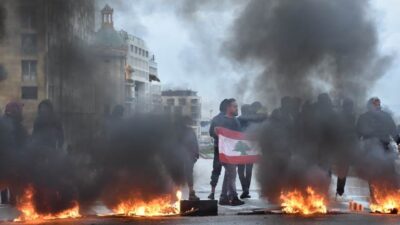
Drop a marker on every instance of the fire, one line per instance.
(296, 202)
(386, 200)
(28, 212)
(161, 206)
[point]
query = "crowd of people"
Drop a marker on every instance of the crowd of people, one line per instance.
(334, 128)
(329, 135)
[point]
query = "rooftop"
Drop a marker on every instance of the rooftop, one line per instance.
(179, 93)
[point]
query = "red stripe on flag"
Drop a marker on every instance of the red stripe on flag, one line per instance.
(230, 133)
(244, 159)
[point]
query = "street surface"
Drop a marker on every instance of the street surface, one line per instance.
(356, 190)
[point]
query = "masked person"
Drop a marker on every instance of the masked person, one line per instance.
(217, 167)
(47, 129)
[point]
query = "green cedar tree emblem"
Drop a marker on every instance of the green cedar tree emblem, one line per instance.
(241, 147)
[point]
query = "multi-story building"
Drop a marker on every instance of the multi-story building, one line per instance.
(185, 103)
(41, 51)
(141, 72)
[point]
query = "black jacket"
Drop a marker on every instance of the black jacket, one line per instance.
(223, 121)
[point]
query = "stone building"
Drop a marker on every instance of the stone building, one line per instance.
(41, 53)
(185, 103)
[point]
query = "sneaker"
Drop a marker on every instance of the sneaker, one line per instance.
(236, 202)
(211, 196)
(245, 194)
(224, 201)
(193, 197)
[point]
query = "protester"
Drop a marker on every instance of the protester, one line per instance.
(229, 121)
(376, 123)
(14, 139)
(349, 136)
(217, 167)
(16, 134)
(378, 131)
(47, 128)
(191, 146)
(250, 115)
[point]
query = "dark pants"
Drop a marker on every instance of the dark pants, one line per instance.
(189, 164)
(229, 184)
(341, 182)
(217, 167)
(245, 172)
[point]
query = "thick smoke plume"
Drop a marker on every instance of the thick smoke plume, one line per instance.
(139, 158)
(309, 46)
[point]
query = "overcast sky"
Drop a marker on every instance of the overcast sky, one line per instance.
(187, 45)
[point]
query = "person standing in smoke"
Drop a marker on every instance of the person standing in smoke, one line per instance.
(229, 121)
(250, 115)
(376, 123)
(217, 167)
(17, 134)
(349, 140)
(191, 146)
(377, 130)
(15, 137)
(47, 128)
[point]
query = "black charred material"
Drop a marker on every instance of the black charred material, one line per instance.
(199, 208)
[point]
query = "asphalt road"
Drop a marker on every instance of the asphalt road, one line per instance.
(341, 219)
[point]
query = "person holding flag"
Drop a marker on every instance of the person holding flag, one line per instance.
(228, 121)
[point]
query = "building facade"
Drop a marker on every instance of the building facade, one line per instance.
(39, 51)
(50, 50)
(184, 103)
(144, 86)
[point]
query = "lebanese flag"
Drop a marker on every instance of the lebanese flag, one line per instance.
(236, 148)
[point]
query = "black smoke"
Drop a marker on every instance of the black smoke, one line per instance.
(304, 48)
(307, 47)
(2, 21)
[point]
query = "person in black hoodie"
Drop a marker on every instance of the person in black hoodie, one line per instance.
(250, 115)
(14, 139)
(47, 129)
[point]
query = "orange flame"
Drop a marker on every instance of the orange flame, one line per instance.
(28, 212)
(387, 200)
(296, 202)
(157, 207)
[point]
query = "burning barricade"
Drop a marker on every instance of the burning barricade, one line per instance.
(303, 202)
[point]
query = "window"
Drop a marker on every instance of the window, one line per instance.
(29, 92)
(170, 101)
(147, 54)
(28, 17)
(136, 50)
(182, 101)
(28, 68)
(194, 101)
(195, 116)
(29, 43)
(194, 109)
(178, 110)
(140, 51)
(131, 48)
